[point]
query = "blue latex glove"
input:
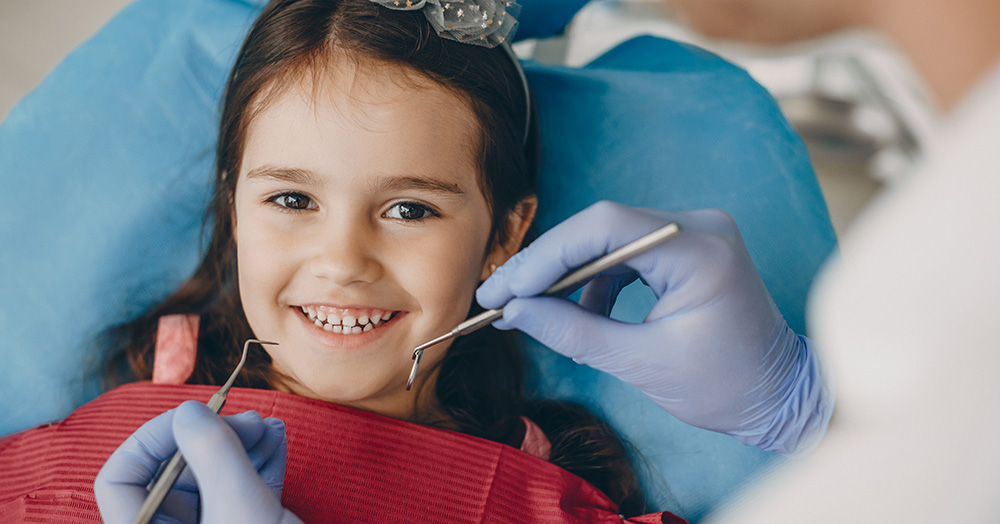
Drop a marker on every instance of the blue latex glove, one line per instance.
(714, 351)
(238, 463)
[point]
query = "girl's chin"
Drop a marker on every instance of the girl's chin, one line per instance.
(345, 390)
(385, 396)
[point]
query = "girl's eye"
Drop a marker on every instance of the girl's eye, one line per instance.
(409, 211)
(293, 201)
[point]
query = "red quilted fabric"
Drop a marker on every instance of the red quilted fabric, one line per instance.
(344, 465)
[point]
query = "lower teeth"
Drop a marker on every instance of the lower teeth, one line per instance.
(337, 328)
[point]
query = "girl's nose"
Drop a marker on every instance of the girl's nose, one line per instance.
(346, 255)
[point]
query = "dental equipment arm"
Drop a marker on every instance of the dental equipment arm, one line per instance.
(236, 468)
(714, 351)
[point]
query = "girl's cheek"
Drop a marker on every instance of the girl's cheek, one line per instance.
(439, 271)
(261, 250)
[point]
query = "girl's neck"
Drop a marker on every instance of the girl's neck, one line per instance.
(425, 408)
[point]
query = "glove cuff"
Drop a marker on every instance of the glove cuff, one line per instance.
(804, 413)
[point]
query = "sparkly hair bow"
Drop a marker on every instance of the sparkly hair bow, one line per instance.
(481, 22)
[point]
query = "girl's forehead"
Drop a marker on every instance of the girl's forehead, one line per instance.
(363, 90)
(363, 119)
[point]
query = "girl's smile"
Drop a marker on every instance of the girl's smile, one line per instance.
(349, 321)
(347, 328)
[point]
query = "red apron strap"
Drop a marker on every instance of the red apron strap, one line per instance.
(176, 348)
(535, 442)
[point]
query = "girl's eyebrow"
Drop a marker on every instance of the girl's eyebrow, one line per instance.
(379, 182)
(284, 174)
(415, 182)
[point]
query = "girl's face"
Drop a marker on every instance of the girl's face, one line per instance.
(361, 232)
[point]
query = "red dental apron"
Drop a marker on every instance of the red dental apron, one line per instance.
(343, 465)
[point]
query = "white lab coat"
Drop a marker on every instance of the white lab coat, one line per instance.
(908, 320)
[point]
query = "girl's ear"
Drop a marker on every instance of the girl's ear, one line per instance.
(518, 222)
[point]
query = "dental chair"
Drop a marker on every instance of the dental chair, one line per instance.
(106, 169)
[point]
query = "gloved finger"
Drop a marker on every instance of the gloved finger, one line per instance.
(120, 486)
(618, 271)
(599, 342)
(251, 430)
(600, 294)
(559, 324)
(257, 436)
(262, 441)
(595, 231)
(137, 459)
(274, 456)
(265, 443)
(230, 487)
(179, 506)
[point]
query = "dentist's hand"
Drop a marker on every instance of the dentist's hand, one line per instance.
(714, 351)
(238, 463)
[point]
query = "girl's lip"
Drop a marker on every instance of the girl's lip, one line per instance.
(329, 337)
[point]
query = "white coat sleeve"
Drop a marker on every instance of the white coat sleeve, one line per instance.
(908, 318)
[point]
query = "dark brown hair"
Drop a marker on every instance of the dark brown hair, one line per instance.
(480, 382)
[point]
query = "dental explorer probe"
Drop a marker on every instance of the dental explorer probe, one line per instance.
(171, 470)
(632, 249)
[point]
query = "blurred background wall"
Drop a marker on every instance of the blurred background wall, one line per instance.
(36, 34)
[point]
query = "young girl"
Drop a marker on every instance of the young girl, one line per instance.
(375, 165)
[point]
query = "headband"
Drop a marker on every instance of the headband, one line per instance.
(487, 23)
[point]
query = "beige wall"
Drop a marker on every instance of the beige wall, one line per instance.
(36, 34)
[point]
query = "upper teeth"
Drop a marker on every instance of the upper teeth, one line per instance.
(348, 324)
